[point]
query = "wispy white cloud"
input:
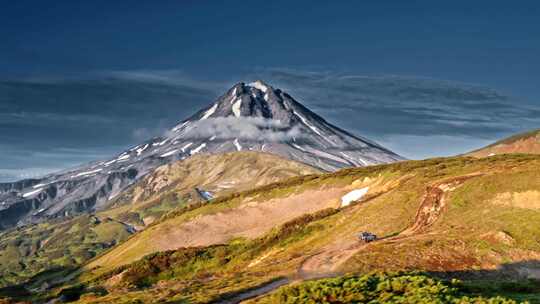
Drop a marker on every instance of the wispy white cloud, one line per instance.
(8, 175)
(252, 128)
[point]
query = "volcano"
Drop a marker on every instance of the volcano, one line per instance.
(248, 117)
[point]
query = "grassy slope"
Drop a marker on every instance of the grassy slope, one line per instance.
(474, 232)
(26, 251)
(379, 288)
(147, 241)
(173, 185)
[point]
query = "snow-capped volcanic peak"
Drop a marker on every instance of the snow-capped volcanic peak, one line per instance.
(275, 116)
(255, 99)
(248, 117)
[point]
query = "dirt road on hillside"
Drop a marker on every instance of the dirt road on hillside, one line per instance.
(327, 262)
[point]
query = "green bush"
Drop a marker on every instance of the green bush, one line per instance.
(378, 288)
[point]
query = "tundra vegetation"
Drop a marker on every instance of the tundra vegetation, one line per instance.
(437, 220)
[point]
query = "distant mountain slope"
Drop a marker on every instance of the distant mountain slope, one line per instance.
(248, 117)
(66, 243)
(198, 179)
(527, 142)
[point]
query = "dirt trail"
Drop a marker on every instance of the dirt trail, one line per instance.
(327, 262)
(259, 291)
(433, 204)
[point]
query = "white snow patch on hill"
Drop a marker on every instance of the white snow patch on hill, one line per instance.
(352, 196)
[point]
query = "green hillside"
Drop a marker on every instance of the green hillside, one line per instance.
(456, 217)
(55, 247)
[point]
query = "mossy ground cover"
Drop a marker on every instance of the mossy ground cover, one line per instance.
(380, 288)
(27, 251)
(456, 241)
(197, 275)
(452, 243)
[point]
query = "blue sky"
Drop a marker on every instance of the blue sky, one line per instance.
(81, 79)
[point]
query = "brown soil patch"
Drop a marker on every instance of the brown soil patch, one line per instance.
(527, 199)
(249, 220)
(498, 237)
(433, 203)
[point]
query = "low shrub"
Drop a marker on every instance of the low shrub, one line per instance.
(378, 288)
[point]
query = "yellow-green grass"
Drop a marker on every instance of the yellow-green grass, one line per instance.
(473, 232)
(27, 251)
(457, 241)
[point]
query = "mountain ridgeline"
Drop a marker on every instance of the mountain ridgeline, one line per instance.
(248, 117)
(527, 143)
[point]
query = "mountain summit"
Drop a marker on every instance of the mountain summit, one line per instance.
(253, 116)
(256, 116)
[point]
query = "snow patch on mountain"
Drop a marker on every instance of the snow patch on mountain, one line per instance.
(236, 107)
(186, 146)
(87, 173)
(356, 160)
(304, 120)
(141, 150)
(169, 153)
(259, 86)
(179, 127)
(211, 111)
(198, 149)
(298, 147)
(237, 145)
(31, 193)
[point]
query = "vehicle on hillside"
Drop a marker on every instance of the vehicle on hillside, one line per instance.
(367, 236)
